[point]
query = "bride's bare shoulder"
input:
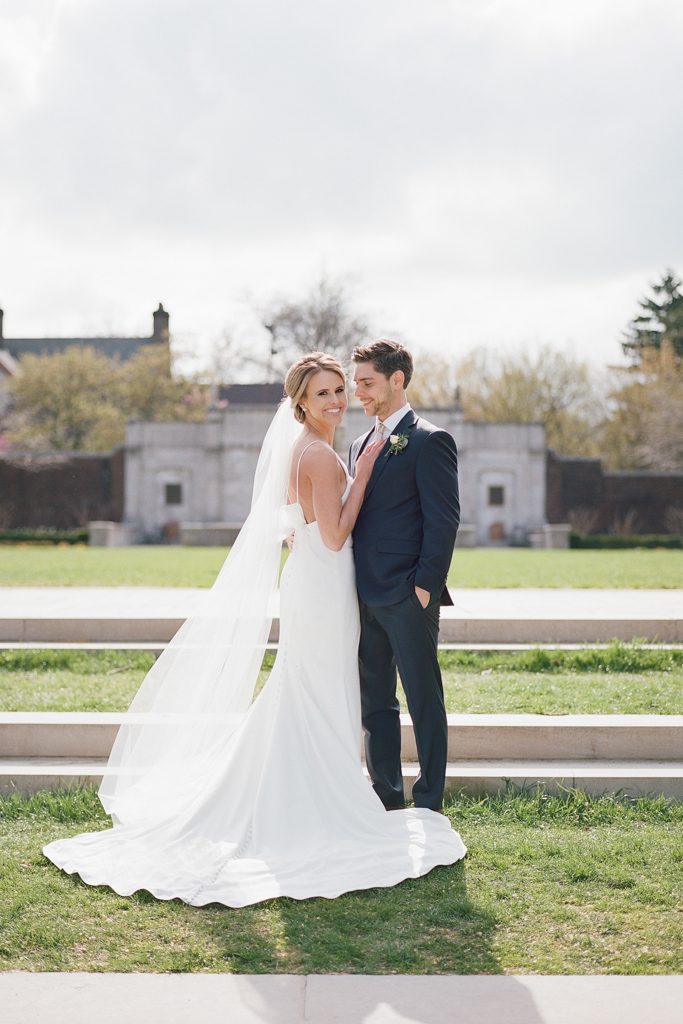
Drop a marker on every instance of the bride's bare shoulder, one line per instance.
(315, 453)
(316, 459)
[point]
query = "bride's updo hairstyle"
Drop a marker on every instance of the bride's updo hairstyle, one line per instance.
(299, 374)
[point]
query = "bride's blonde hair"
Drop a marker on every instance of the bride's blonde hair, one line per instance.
(299, 374)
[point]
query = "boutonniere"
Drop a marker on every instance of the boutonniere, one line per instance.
(397, 442)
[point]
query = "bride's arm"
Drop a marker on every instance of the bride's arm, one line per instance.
(336, 521)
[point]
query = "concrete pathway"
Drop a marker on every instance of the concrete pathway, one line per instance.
(89, 614)
(26, 998)
(178, 602)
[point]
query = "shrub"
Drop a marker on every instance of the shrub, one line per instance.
(608, 540)
(43, 535)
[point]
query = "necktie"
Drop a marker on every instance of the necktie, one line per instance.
(381, 431)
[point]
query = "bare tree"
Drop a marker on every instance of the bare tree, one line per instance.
(551, 387)
(323, 320)
(644, 429)
(434, 383)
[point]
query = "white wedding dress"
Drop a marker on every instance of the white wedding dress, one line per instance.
(289, 811)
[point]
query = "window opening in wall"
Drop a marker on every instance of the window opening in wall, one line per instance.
(496, 495)
(174, 494)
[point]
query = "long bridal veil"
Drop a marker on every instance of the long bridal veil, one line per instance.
(201, 686)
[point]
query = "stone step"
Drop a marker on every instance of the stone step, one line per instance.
(478, 615)
(538, 737)
(476, 777)
(157, 648)
(453, 629)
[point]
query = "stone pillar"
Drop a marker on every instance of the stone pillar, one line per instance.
(467, 536)
(105, 534)
(556, 535)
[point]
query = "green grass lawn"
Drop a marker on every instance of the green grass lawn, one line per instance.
(550, 885)
(620, 680)
(197, 567)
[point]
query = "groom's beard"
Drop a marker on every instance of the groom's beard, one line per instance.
(379, 407)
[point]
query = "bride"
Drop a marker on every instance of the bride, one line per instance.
(219, 798)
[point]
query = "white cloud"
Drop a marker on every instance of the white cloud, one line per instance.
(494, 172)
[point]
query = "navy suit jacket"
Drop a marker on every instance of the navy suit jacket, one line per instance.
(405, 531)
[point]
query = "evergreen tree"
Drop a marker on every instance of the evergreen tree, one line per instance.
(660, 320)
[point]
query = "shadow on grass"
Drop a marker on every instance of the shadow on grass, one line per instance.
(421, 926)
(426, 926)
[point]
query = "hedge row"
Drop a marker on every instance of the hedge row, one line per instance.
(49, 535)
(43, 535)
(608, 540)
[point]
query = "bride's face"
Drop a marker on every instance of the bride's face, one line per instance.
(325, 400)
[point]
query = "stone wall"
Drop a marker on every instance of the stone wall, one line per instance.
(64, 491)
(601, 501)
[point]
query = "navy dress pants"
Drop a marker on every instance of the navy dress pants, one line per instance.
(403, 636)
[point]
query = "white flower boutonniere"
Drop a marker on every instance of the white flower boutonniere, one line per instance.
(397, 442)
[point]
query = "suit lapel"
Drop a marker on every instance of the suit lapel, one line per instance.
(359, 447)
(406, 424)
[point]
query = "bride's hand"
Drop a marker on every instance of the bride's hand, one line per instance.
(367, 460)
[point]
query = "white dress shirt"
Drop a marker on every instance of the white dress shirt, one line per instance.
(391, 422)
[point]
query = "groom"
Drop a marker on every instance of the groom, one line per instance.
(403, 542)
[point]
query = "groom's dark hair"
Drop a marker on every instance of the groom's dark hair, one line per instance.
(387, 357)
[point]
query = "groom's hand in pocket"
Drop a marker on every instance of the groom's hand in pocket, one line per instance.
(422, 596)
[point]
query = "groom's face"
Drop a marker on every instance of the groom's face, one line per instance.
(373, 390)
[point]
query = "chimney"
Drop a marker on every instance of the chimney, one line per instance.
(160, 321)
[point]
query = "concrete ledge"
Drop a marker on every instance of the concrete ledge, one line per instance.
(33, 774)
(452, 629)
(526, 616)
(209, 534)
(58, 734)
(79, 630)
(467, 536)
(80, 734)
(549, 737)
(157, 647)
(105, 534)
(568, 630)
(637, 778)
(552, 535)
(623, 778)
(80, 998)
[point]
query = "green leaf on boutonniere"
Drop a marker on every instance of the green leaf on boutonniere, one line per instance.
(397, 442)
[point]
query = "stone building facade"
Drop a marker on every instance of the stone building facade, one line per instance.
(203, 472)
(173, 473)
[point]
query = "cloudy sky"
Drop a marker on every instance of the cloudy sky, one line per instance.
(499, 173)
